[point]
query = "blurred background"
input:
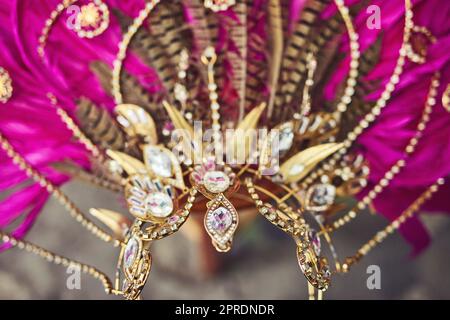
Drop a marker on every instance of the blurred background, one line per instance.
(261, 265)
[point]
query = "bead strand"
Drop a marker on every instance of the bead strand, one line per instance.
(394, 225)
(63, 199)
(349, 91)
(209, 58)
(76, 131)
(376, 110)
(49, 24)
(400, 164)
(57, 259)
(123, 46)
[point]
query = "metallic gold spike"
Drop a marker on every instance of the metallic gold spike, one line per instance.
(117, 222)
(243, 139)
(266, 158)
(129, 164)
(298, 166)
(178, 119)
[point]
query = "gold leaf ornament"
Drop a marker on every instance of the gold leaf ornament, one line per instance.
(115, 221)
(242, 139)
(129, 164)
(298, 166)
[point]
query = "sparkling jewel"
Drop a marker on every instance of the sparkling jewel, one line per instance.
(296, 169)
(131, 252)
(323, 195)
(285, 140)
(159, 161)
(159, 204)
(216, 181)
(220, 220)
(314, 239)
(173, 219)
(219, 5)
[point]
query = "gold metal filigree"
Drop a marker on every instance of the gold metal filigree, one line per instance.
(92, 20)
(298, 166)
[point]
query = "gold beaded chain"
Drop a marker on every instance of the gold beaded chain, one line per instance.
(380, 236)
(76, 131)
(49, 24)
(349, 91)
(55, 191)
(86, 10)
(376, 110)
(400, 164)
(305, 106)
(57, 259)
(209, 58)
(123, 46)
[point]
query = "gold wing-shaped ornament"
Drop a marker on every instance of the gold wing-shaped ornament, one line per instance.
(298, 166)
(137, 122)
(162, 163)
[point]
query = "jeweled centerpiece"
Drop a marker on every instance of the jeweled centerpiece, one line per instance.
(220, 220)
(159, 204)
(320, 196)
(216, 181)
(159, 161)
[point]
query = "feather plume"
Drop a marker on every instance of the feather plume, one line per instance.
(276, 49)
(99, 126)
(238, 56)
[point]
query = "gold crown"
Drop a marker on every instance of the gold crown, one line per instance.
(288, 167)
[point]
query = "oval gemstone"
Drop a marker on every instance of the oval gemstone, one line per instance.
(216, 181)
(159, 204)
(220, 220)
(159, 161)
(131, 252)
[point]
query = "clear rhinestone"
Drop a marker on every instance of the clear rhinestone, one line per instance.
(220, 220)
(131, 252)
(296, 169)
(285, 141)
(159, 161)
(159, 204)
(323, 195)
(216, 181)
(173, 220)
